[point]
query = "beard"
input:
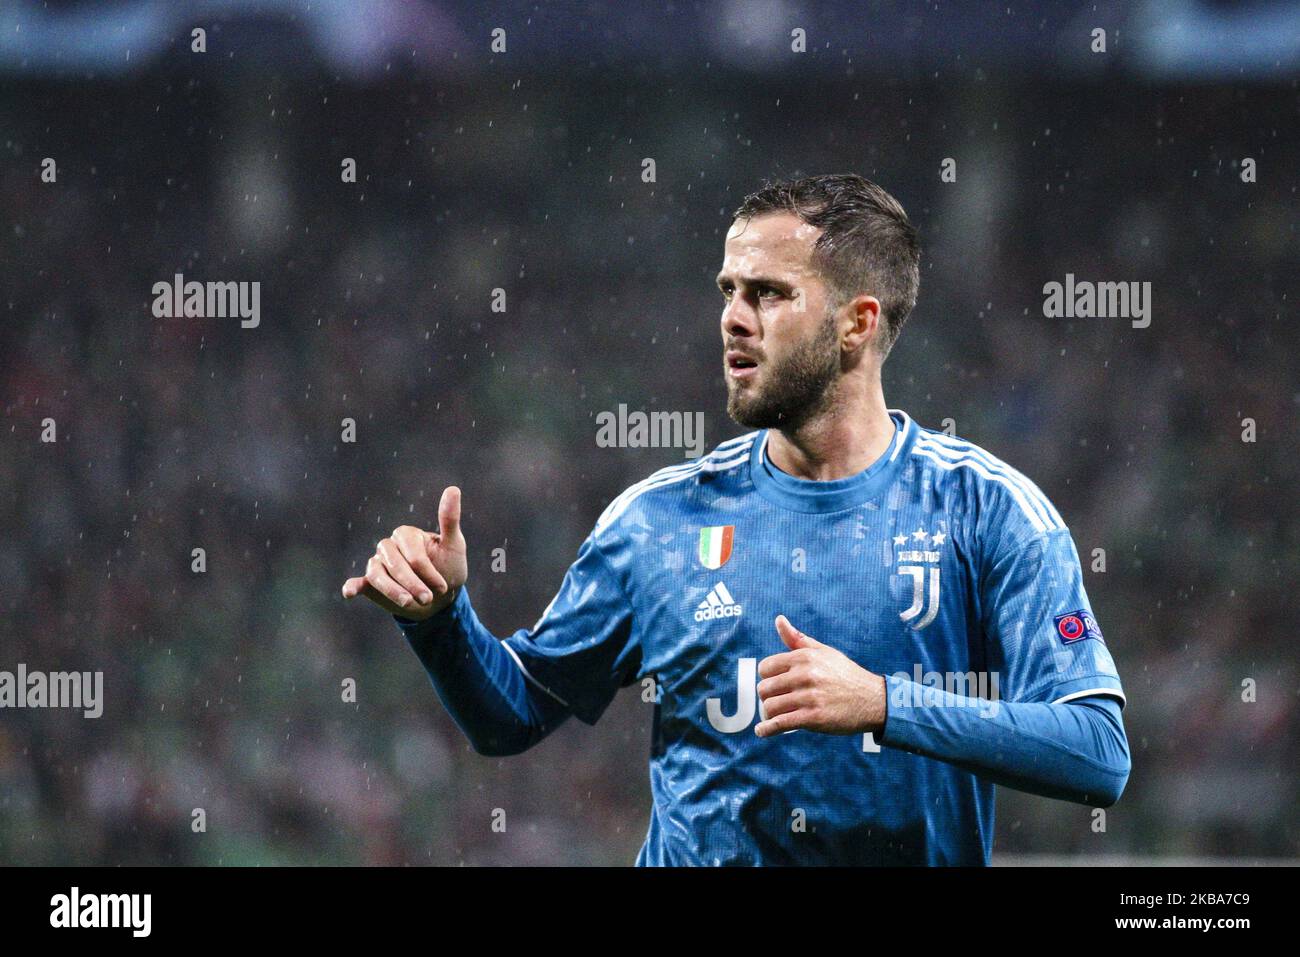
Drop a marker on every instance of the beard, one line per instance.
(795, 388)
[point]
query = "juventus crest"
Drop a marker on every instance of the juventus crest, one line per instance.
(918, 556)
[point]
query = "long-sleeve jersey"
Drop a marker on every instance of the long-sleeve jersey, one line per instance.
(939, 567)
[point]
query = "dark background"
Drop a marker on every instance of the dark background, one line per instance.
(522, 170)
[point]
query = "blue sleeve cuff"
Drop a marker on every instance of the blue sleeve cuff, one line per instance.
(903, 699)
(918, 717)
(1044, 747)
(438, 623)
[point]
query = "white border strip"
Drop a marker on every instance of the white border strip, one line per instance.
(534, 680)
(1090, 692)
(902, 431)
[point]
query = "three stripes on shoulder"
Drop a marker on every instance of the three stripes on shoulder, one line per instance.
(946, 452)
(727, 455)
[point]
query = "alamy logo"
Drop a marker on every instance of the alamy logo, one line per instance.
(654, 430)
(1098, 300)
(133, 911)
(718, 603)
(956, 689)
(212, 300)
(56, 689)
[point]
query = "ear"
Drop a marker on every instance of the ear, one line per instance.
(865, 314)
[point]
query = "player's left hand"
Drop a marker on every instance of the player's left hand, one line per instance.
(817, 688)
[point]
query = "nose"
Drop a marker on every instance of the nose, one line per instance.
(738, 319)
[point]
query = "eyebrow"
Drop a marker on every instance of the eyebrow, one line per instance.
(757, 281)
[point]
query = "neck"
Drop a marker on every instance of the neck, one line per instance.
(842, 441)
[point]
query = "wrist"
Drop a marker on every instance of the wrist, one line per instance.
(444, 612)
(877, 706)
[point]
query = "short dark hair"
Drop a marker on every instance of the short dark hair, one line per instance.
(867, 245)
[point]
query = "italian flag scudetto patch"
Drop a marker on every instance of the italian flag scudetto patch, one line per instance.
(715, 545)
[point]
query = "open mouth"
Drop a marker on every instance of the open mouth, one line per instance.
(740, 366)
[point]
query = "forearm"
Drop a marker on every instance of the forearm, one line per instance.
(479, 683)
(1075, 751)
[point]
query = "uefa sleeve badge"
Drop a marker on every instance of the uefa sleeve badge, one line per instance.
(1076, 626)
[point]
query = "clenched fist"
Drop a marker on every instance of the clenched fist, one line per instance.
(416, 573)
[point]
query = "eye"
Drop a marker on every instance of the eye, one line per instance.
(726, 289)
(767, 292)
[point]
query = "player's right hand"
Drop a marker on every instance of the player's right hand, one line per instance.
(415, 573)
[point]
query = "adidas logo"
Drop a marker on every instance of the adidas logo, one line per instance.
(718, 603)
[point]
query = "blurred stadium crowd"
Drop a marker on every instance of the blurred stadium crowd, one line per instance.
(223, 689)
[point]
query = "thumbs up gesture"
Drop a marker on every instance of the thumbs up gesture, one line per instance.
(414, 573)
(818, 688)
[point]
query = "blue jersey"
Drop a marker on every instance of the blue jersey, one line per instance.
(937, 563)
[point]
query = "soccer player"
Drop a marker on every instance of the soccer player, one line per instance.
(856, 626)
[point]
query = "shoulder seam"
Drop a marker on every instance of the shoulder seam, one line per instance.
(727, 455)
(949, 453)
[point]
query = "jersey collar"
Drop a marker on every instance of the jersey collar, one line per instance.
(806, 495)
